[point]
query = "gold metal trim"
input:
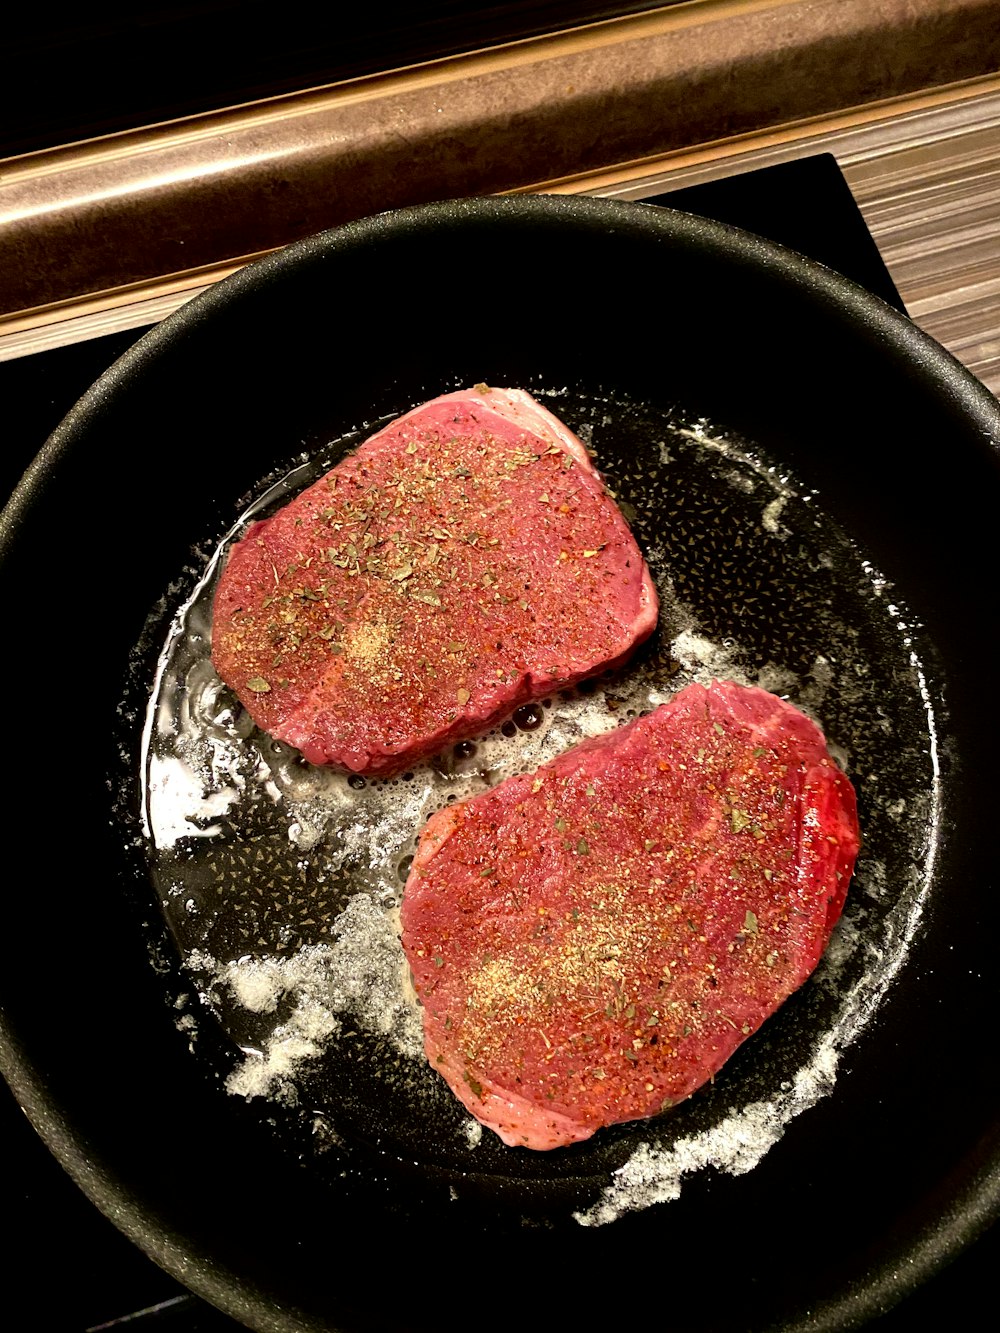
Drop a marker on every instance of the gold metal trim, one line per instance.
(92, 316)
(434, 74)
(707, 161)
(117, 213)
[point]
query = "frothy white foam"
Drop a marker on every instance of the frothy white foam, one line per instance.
(654, 1175)
(359, 976)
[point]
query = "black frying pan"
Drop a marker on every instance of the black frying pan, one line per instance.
(876, 1179)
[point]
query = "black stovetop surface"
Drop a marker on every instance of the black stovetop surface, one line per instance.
(93, 1276)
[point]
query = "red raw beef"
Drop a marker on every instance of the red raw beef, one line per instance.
(463, 561)
(591, 942)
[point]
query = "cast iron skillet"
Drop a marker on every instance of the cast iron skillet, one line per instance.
(865, 1194)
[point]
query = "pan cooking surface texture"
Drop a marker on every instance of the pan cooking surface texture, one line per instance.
(281, 880)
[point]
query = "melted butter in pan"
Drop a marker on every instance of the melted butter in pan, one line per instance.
(280, 881)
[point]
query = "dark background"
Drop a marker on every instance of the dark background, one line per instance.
(95, 69)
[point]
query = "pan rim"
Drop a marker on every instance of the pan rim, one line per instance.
(983, 1201)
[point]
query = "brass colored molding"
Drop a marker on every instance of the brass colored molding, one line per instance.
(968, 102)
(94, 314)
(885, 151)
(115, 214)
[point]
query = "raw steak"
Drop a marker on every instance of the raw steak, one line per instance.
(463, 561)
(590, 943)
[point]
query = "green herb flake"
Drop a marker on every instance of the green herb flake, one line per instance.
(258, 685)
(582, 848)
(739, 820)
(750, 922)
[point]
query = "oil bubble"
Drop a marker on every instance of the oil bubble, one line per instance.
(527, 718)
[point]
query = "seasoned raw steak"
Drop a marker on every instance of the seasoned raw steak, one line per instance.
(464, 560)
(592, 942)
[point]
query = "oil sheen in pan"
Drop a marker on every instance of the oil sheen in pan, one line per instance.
(280, 881)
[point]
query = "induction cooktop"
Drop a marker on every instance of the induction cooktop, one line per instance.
(94, 1277)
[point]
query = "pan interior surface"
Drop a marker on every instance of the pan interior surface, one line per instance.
(767, 441)
(280, 880)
